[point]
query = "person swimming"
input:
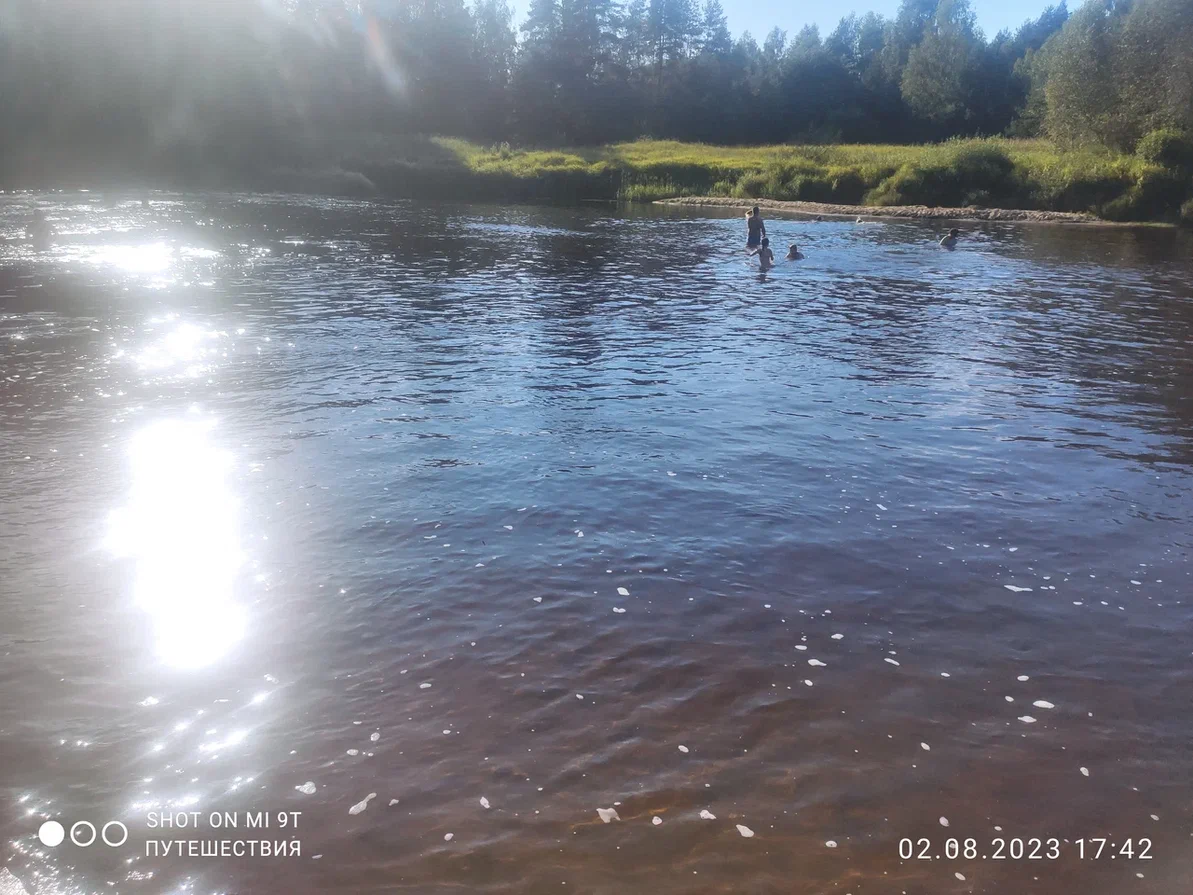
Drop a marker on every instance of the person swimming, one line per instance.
(950, 241)
(755, 228)
(793, 253)
(766, 258)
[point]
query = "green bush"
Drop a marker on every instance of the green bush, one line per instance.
(1085, 192)
(751, 185)
(1187, 213)
(1157, 195)
(650, 189)
(1169, 148)
(812, 188)
(847, 185)
(971, 175)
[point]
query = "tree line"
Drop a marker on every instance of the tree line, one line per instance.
(128, 81)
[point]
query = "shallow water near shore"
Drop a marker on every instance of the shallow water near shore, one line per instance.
(528, 550)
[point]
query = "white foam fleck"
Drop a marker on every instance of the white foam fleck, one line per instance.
(447, 837)
(831, 843)
(656, 820)
(707, 815)
(838, 636)
(1027, 719)
(508, 527)
(745, 831)
(1085, 772)
(945, 674)
(579, 695)
(1017, 590)
(619, 610)
(1154, 816)
(148, 701)
(683, 749)
(670, 473)
(1133, 581)
(944, 821)
(880, 506)
(960, 876)
(1022, 677)
(362, 804)
(890, 660)
(1009, 698)
(392, 802)
(375, 736)
(816, 663)
(608, 815)
(800, 646)
(538, 599)
(807, 683)
(354, 752)
(621, 591)
(424, 686)
(484, 802)
(1043, 704)
(579, 533)
(307, 788)
(925, 747)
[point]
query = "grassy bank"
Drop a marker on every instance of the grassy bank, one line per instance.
(996, 173)
(1154, 185)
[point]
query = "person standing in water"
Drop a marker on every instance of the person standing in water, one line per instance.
(766, 258)
(755, 228)
(950, 241)
(40, 231)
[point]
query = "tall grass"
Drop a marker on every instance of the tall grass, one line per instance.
(999, 173)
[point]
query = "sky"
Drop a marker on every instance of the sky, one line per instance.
(759, 16)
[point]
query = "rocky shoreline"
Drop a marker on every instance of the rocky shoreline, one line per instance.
(922, 212)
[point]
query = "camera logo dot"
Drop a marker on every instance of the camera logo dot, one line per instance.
(83, 834)
(51, 834)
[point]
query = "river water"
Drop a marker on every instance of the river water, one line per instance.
(507, 515)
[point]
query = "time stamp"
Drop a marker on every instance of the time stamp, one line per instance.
(1033, 849)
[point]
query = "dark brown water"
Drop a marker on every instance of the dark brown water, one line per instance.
(508, 515)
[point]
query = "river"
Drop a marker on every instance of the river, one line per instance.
(504, 515)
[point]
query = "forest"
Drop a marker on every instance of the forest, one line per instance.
(234, 91)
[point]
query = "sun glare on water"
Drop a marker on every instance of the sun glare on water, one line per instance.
(179, 527)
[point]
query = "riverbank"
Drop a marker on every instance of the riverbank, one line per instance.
(919, 212)
(1019, 178)
(1012, 179)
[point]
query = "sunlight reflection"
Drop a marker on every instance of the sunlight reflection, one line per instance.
(149, 258)
(186, 344)
(180, 528)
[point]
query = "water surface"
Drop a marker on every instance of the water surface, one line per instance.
(559, 510)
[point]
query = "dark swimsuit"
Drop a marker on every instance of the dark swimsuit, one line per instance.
(755, 238)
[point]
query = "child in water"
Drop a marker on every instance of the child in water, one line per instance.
(950, 241)
(766, 258)
(793, 253)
